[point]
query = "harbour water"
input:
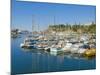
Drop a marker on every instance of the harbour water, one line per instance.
(37, 61)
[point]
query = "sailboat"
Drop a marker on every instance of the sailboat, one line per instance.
(30, 42)
(56, 48)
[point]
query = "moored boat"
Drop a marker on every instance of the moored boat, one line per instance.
(55, 51)
(28, 43)
(90, 52)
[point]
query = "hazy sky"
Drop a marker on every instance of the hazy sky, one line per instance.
(43, 14)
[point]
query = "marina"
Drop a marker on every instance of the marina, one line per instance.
(36, 61)
(39, 51)
(71, 45)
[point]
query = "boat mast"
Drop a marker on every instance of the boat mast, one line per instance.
(38, 29)
(32, 25)
(54, 25)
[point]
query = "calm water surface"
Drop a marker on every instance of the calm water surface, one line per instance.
(24, 61)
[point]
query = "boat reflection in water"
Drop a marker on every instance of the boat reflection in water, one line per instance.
(61, 54)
